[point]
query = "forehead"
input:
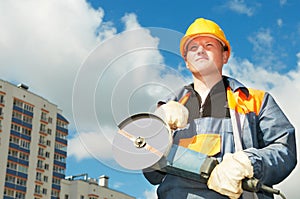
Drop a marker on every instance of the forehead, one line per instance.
(203, 39)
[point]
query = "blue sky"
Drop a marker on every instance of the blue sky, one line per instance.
(91, 58)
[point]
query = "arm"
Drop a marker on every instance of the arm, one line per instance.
(154, 177)
(276, 157)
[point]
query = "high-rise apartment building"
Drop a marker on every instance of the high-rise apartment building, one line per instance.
(33, 144)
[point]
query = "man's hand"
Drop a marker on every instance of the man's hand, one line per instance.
(174, 114)
(226, 178)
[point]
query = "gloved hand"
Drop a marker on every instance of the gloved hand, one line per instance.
(174, 114)
(226, 178)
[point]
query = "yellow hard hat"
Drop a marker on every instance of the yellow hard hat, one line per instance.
(203, 27)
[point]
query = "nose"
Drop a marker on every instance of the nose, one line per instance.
(200, 49)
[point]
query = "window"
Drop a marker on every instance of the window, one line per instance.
(23, 169)
(24, 144)
(54, 193)
(59, 158)
(28, 107)
(56, 181)
(43, 128)
(20, 195)
(41, 152)
(39, 164)
(60, 146)
(61, 135)
(13, 153)
(21, 182)
(45, 178)
(15, 127)
(42, 140)
(27, 119)
(26, 131)
(50, 120)
(14, 140)
(17, 115)
(44, 116)
(10, 179)
(37, 189)
(45, 191)
(66, 196)
(46, 166)
(11, 165)
(58, 169)
(1, 99)
(8, 192)
(62, 124)
(23, 156)
(18, 103)
(38, 176)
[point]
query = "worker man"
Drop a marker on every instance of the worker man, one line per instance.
(243, 128)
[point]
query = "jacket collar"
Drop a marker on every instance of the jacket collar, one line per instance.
(235, 85)
(232, 83)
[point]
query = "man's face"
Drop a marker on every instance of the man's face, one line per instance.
(205, 55)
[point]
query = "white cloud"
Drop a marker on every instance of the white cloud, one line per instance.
(86, 145)
(279, 22)
(150, 194)
(240, 7)
(131, 22)
(44, 42)
(117, 185)
(124, 75)
(264, 53)
(262, 39)
(282, 2)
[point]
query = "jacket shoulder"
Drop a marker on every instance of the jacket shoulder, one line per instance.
(244, 102)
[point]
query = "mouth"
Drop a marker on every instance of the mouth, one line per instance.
(201, 58)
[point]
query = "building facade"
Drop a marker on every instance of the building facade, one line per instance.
(33, 144)
(33, 148)
(89, 188)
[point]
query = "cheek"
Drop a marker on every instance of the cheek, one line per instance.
(188, 57)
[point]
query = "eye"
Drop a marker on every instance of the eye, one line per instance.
(193, 47)
(209, 45)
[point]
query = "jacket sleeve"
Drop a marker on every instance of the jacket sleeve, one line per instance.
(155, 177)
(276, 157)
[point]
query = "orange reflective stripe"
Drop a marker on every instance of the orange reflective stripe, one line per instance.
(239, 102)
(209, 144)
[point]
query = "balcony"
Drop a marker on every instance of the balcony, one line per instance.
(59, 175)
(64, 153)
(15, 186)
(60, 140)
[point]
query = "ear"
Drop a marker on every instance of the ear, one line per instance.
(225, 57)
(187, 65)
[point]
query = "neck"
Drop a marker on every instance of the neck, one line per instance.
(203, 85)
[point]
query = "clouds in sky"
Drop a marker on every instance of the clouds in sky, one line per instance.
(240, 7)
(69, 55)
(123, 75)
(43, 44)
